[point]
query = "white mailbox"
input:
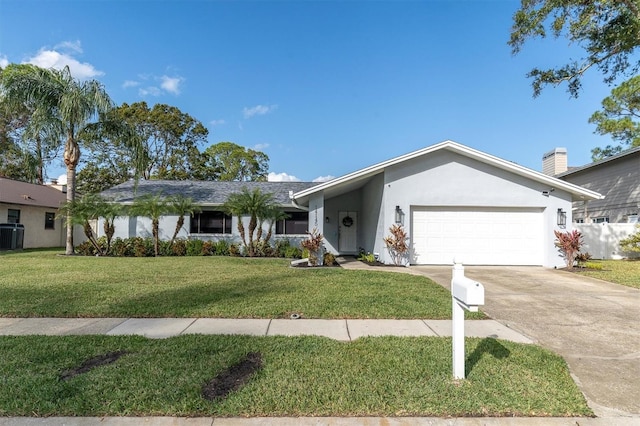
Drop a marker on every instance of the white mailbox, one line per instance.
(468, 292)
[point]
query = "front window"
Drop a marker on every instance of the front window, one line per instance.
(297, 223)
(13, 216)
(49, 220)
(210, 222)
(604, 219)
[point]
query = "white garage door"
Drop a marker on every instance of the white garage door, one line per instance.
(479, 236)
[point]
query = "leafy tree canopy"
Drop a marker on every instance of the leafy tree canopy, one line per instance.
(227, 161)
(169, 139)
(608, 30)
(619, 118)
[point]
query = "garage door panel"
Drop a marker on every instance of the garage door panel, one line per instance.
(478, 236)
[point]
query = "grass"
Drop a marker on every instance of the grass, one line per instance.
(624, 272)
(41, 283)
(302, 376)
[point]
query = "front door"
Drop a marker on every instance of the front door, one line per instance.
(348, 232)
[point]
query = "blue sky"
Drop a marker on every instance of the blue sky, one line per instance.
(324, 88)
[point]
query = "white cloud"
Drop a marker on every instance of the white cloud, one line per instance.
(61, 56)
(130, 83)
(62, 179)
(167, 85)
(281, 177)
(258, 110)
(215, 123)
(73, 46)
(3, 61)
(150, 91)
(171, 84)
(323, 178)
(261, 146)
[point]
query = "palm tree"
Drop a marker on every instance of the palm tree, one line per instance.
(153, 207)
(255, 204)
(81, 212)
(66, 106)
(182, 206)
(273, 215)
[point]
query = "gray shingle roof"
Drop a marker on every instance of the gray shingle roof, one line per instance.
(202, 192)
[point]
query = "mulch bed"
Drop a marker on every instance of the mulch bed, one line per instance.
(91, 363)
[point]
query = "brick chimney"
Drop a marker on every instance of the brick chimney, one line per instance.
(554, 162)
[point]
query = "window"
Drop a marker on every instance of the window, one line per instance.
(49, 220)
(603, 219)
(13, 216)
(296, 223)
(210, 222)
(580, 220)
(632, 218)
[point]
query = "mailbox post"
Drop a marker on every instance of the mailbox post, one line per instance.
(465, 294)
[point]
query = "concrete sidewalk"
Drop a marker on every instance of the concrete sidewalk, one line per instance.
(344, 330)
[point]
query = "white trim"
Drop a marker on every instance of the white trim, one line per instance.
(463, 150)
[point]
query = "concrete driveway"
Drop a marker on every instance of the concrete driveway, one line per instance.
(594, 325)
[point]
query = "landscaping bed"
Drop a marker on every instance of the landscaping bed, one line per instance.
(279, 376)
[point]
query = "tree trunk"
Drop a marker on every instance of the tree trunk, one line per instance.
(179, 225)
(71, 157)
(155, 230)
(252, 228)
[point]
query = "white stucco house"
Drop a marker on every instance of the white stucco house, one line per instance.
(453, 201)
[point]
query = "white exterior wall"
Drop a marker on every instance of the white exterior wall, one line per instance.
(33, 218)
(448, 179)
(602, 240)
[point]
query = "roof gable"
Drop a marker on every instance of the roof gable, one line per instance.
(203, 193)
(353, 180)
(30, 194)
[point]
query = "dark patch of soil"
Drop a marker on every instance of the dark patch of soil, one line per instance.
(232, 378)
(91, 363)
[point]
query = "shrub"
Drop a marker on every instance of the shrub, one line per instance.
(594, 265)
(223, 248)
(208, 248)
(292, 252)
(632, 242)
(179, 247)
(281, 247)
(262, 249)
(86, 249)
(569, 244)
(397, 244)
(367, 257)
(329, 259)
(314, 245)
(582, 258)
(234, 250)
(195, 248)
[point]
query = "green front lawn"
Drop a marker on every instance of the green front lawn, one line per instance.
(302, 376)
(44, 284)
(625, 272)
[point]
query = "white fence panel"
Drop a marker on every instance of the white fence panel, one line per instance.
(602, 240)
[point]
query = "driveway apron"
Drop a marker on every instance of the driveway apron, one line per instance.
(594, 325)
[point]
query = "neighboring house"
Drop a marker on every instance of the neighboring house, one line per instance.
(452, 200)
(211, 223)
(35, 207)
(604, 222)
(618, 179)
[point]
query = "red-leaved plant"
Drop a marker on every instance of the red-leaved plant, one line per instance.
(314, 245)
(397, 244)
(569, 244)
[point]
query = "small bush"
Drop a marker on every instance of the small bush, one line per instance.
(582, 258)
(293, 253)
(223, 248)
(329, 259)
(367, 257)
(632, 242)
(195, 248)
(208, 248)
(234, 250)
(179, 247)
(86, 249)
(594, 265)
(569, 244)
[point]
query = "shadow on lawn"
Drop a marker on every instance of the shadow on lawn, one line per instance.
(235, 297)
(486, 346)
